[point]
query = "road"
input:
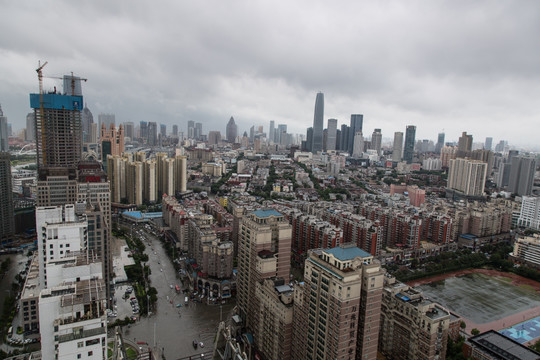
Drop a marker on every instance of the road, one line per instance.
(175, 328)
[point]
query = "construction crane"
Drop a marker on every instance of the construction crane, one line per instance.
(43, 138)
(72, 81)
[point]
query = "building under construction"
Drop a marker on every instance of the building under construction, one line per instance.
(58, 126)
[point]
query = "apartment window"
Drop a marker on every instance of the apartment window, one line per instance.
(78, 356)
(80, 344)
(90, 353)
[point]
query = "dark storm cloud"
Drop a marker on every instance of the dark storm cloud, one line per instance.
(457, 65)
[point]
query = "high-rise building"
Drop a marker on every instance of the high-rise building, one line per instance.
(271, 132)
(175, 130)
(522, 175)
(408, 150)
(331, 134)
(87, 119)
(152, 133)
(180, 170)
(358, 148)
(344, 139)
(112, 142)
(467, 176)
(30, 134)
(163, 130)
(198, 131)
(231, 130)
(143, 131)
(440, 143)
(376, 141)
(464, 145)
(338, 309)
(530, 212)
(264, 252)
(398, 146)
(7, 224)
(129, 130)
(191, 129)
(4, 136)
(489, 143)
(214, 137)
(318, 124)
(357, 121)
(58, 128)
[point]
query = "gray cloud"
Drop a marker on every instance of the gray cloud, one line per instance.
(457, 65)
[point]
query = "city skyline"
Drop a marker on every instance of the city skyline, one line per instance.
(464, 79)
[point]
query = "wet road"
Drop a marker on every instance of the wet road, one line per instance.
(175, 328)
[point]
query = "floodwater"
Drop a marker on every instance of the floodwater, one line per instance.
(173, 329)
(480, 297)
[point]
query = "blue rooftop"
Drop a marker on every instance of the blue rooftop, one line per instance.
(266, 213)
(347, 253)
(134, 214)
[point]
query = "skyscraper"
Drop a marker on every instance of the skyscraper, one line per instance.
(163, 130)
(398, 146)
(129, 130)
(464, 145)
(87, 120)
(152, 133)
(58, 128)
(4, 146)
(271, 131)
(376, 140)
(408, 152)
(175, 130)
(143, 131)
(522, 175)
(231, 130)
(489, 143)
(318, 124)
(191, 129)
(357, 121)
(331, 134)
(7, 225)
(344, 142)
(440, 143)
(30, 134)
(198, 131)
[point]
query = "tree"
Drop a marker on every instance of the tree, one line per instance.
(475, 332)
(463, 325)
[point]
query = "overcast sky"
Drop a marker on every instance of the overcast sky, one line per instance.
(455, 65)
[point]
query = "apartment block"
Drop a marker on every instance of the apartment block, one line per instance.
(412, 326)
(337, 314)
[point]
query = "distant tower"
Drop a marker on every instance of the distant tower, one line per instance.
(408, 152)
(358, 148)
(163, 130)
(398, 146)
(331, 134)
(489, 143)
(4, 145)
(231, 130)
(152, 133)
(464, 145)
(357, 121)
(318, 124)
(522, 175)
(7, 225)
(87, 120)
(271, 138)
(129, 130)
(58, 128)
(376, 140)
(440, 143)
(175, 130)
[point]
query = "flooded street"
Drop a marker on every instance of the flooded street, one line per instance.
(172, 328)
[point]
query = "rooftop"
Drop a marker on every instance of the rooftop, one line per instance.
(348, 253)
(266, 213)
(503, 347)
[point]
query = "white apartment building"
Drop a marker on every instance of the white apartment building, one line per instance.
(530, 212)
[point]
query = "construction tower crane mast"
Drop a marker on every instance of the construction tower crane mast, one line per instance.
(40, 79)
